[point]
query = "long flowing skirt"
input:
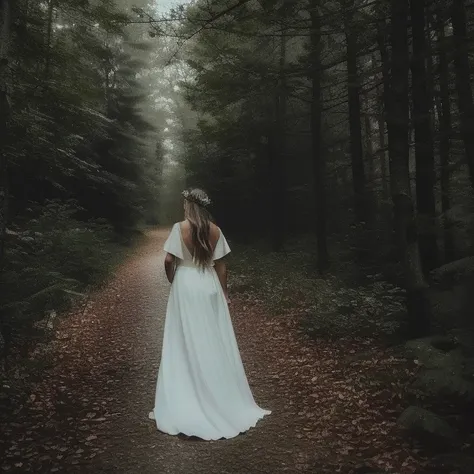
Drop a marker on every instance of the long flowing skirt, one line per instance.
(202, 389)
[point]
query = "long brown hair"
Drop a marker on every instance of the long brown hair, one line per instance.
(195, 203)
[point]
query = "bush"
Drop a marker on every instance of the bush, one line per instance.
(51, 258)
(329, 306)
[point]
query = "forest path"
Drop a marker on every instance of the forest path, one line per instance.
(90, 413)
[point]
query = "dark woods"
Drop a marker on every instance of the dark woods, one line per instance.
(80, 161)
(349, 120)
(343, 129)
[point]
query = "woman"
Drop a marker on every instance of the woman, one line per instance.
(202, 389)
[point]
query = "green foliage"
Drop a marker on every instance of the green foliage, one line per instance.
(80, 170)
(427, 424)
(51, 259)
(76, 129)
(329, 307)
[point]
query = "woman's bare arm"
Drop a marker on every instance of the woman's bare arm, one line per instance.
(170, 267)
(221, 270)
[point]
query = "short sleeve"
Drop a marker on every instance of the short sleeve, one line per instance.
(173, 243)
(222, 247)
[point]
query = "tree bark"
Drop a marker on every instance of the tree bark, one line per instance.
(398, 130)
(430, 73)
(6, 20)
(369, 149)
(445, 140)
(463, 85)
(5, 12)
(319, 163)
(424, 153)
(382, 145)
(279, 154)
(384, 98)
(353, 89)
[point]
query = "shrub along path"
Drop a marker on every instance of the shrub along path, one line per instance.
(334, 408)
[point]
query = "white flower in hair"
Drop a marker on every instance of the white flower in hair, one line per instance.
(197, 196)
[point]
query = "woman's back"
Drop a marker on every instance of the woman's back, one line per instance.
(187, 236)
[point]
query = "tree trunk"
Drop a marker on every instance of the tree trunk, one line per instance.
(369, 149)
(382, 145)
(279, 155)
(5, 12)
(463, 85)
(430, 74)
(6, 19)
(319, 164)
(384, 98)
(424, 154)
(353, 89)
(445, 127)
(398, 129)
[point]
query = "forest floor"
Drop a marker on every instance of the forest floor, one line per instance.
(335, 402)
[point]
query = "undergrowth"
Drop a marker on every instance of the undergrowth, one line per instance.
(330, 306)
(52, 260)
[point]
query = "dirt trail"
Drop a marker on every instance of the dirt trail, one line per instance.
(90, 414)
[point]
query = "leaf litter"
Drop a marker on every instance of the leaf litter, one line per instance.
(334, 401)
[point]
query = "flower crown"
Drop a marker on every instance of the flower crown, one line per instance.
(203, 201)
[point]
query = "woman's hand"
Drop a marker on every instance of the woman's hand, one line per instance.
(227, 298)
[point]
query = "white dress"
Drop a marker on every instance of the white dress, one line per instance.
(202, 389)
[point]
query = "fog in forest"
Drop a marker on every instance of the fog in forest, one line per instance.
(335, 140)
